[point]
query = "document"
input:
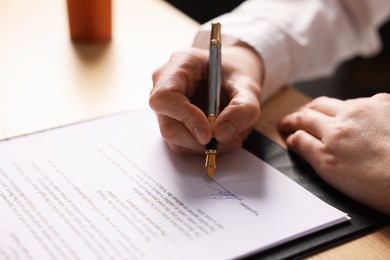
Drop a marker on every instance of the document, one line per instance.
(111, 188)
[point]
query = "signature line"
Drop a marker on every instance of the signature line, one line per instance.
(223, 193)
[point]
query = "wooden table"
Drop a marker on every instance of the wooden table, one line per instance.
(47, 81)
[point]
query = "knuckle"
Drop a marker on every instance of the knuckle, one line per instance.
(328, 156)
(236, 144)
(156, 75)
(295, 138)
(248, 110)
(177, 148)
(167, 128)
(337, 133)
(339, 137)
(177, 55)
(300, 116)
(156, 99)
(327, 160)
(252, 109)
(383, 96)
(340, 132)
(254, 86)
(318, 101)
(184, 56)
(167, 134)
(188, 118)
(239, 140)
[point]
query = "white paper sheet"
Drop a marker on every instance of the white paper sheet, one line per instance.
(111, 188)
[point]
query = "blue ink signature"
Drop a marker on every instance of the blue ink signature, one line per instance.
(223, 194)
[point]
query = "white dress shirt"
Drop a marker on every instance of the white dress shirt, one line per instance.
(304, 39)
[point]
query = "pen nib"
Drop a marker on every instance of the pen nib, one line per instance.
(211, 162)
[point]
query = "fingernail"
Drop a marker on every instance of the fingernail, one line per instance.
(201, 135)
(226, 132)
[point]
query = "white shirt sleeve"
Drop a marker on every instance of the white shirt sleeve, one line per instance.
(303, 39)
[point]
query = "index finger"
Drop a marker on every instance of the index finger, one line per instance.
(174, 84)
(326, 105)
(182, 72)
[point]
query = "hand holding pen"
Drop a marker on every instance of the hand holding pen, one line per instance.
(179, 96)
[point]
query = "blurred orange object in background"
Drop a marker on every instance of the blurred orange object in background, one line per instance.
(90, 20)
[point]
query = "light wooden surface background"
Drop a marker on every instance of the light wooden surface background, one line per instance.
(47, 81)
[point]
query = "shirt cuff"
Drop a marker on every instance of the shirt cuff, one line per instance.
(268, 41)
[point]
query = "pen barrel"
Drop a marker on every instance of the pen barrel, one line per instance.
(214, 79)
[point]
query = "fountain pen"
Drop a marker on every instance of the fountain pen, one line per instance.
(214, 89)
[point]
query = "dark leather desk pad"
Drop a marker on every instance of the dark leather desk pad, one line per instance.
(363, 219)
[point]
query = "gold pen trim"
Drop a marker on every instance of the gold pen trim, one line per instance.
(211, 161)
(215, 37)
(211, 154)
(212, 119)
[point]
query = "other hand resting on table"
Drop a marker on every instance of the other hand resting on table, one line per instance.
(347, 143)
